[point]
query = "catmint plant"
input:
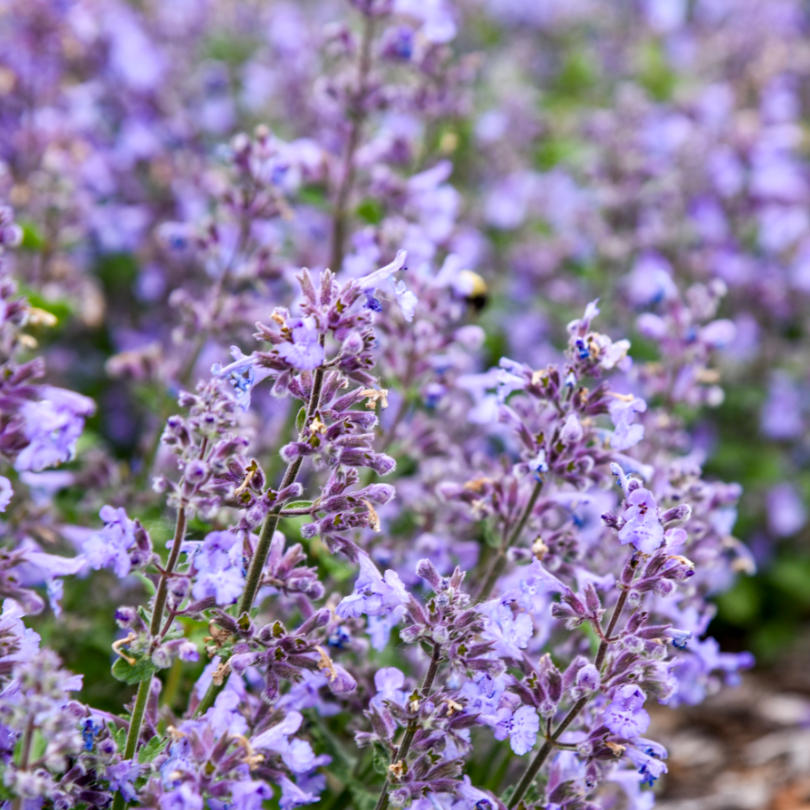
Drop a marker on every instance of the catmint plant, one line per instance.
(359, 368)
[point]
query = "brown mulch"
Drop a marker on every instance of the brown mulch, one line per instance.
(743, 749)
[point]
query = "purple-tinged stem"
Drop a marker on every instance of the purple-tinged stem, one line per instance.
(499, 560)
(25, 756)
(540, 757)
(355, 131)
(401, 754)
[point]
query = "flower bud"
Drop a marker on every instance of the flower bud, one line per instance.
(588, 678)
(126, 617)
(427, 570)
(571, 432)
(187, 651)
(353, 344)
(678, 514)
(161, 658)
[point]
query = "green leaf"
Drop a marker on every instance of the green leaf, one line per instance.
(362, 799)
(147, 583)
(298, 504)
(38, 745)
(370, 211)
(151, 749)
(32, 239)
(119, 735)
(381, 760)
(133, 674)
(300, 419)
(314, 195)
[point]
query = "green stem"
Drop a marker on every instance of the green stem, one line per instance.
(499, 560)
(134, 733)
(144, 687)
(163, 585)
(534, 767)
(401, 754)
(25, 756)
(270, 523)
(348, 170)
(257, 563)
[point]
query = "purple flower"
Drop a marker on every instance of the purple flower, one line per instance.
(484, 692)
(648, 757)
(52, 427)
(242, 374)
(293, 796)
(786, 510)
(296, 754)
(389, 682)
(643, 528)
(17, 642)
(510, 632)
(626, 716)
(122, 775)
(6, 493)
(218, 562)
(109, 548)
(305, 694)
(375, 595)
(183, 797)
(435, 15)
(623, 413)
(305, 352)
(249, 795)
(571, 431)
(382, 279)
(782, 413)
(521, 727)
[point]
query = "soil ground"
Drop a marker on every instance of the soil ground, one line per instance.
(746, 748)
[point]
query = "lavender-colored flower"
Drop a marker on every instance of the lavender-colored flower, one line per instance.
(110, 547)
(294, 796)
(626, 716)
(305, 351)
(389, 682)
(521, 727)
(787, 513)
(509, 631)
(122, 777)
(52, 427)
(296, 754)
(376, 596)
(648, 757)
(184, 797)
(17, 642)
(250, 795)
(623, 413)
(243, 374)
(643, 528)
(218, 564)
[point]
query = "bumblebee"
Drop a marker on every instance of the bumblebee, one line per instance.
(473, 289)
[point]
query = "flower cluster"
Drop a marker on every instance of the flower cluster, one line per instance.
(402, 529)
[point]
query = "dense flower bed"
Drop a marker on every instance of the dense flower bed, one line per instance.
(369, 376)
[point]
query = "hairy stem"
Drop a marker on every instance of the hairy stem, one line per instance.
(270, 523)
(499, 560)
(163, 585)
(144, 687)
(25, 756)
(257, 563)
(401, 754)
(540, 757)
(358, 115)
(134, 733)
